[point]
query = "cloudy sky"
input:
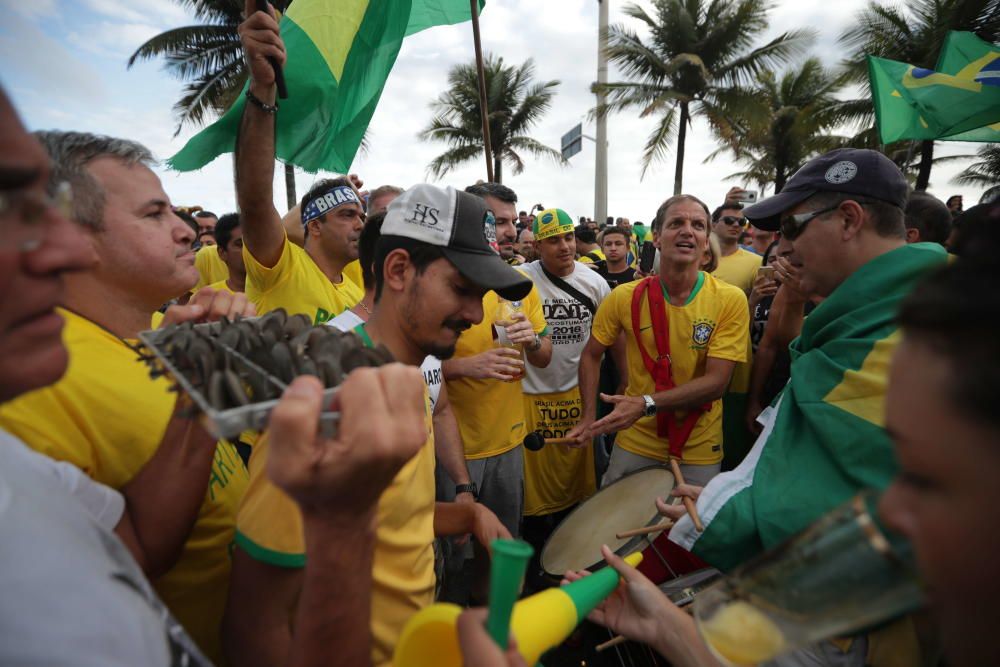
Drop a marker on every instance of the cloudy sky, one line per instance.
(65, 69)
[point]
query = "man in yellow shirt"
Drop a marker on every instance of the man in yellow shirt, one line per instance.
(211, 268)
(432, 267)
(229, 247)
(106, 415)
(692, 348)
(736, 266)
(280, 274)
(484, 385)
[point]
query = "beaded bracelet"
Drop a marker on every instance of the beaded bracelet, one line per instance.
(261, 104)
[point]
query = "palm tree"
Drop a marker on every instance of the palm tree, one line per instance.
(986, 172)
(515, 104)
(209, 57)
(912, 35)
(781, 123)
(695, 62)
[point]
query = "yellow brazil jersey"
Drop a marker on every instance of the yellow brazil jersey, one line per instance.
(296, 284)
(715, 322)
(107, 417)
(222, 285)
(490, 413)
(739, 269)
(352, 272)
(269, 529)
(588, 258)
(211, 268)
(555, 477)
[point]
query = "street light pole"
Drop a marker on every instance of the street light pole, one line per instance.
(601, 154)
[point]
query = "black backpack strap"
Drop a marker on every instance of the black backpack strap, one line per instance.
(585, 300)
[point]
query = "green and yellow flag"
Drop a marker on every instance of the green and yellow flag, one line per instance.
(340, 53)
(959, 101)
(823, 439)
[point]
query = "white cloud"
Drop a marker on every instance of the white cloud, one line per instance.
(44, 67)
(36, 8)
(163, 13)
(54, 88)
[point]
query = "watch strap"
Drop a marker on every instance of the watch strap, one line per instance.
(467, 488)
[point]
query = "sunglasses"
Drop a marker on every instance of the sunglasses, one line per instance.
(730, 220)
(792, 226)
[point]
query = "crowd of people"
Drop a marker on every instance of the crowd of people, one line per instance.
(130, 536)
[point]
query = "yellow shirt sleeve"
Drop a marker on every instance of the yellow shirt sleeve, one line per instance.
(210, 267)
(263, 279)
(732, 334)
(269, 529)
(533, 311)
(607, 321)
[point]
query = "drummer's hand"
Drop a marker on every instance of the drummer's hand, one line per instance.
(487, 527)
(636, 608)
(478, 648)
(581, 433)
(625, 413)
(675, 512)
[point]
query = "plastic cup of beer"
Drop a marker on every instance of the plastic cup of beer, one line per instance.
(503, 318)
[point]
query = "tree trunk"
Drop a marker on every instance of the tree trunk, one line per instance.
(290, 186)
(497, 168)
(924, 170)
(779, 180)
(681, 137)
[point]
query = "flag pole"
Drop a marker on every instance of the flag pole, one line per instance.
(484, 111)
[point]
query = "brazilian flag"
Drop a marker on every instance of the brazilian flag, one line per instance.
(825, 440)
(957, 101)
(340, 53)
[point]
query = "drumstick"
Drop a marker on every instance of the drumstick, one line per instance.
(560, 441)
(645, 530)
(615, 641)
(688, 503)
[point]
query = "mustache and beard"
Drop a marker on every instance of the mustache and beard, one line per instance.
(413, 313)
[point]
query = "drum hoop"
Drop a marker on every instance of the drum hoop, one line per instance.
(630, 546)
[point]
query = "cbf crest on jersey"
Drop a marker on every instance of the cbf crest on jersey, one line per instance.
(701, 332)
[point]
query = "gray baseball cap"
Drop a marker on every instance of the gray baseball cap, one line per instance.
(463, 227)
(854, 171)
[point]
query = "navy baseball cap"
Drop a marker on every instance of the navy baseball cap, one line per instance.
(852, 171)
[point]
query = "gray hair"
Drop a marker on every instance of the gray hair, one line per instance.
(71, 152)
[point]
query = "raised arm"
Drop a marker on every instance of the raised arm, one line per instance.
(263, 234)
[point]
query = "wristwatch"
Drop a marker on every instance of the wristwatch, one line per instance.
(535, 344)
(468, 488)
(650, 409)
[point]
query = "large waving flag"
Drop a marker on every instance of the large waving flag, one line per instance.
(340, 53)
(826, 439)
(959, 101)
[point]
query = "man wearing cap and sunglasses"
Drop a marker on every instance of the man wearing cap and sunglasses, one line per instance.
(736, 265)
(842, 227)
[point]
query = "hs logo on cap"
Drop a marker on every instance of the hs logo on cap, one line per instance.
(424, 215)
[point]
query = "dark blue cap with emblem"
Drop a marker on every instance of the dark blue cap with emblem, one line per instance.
(852, 171)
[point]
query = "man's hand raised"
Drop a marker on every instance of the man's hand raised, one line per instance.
(382, 426)
(261, 40)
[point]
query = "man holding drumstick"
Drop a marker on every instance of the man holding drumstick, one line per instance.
(685, 331)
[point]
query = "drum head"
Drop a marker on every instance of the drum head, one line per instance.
(575, 544)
